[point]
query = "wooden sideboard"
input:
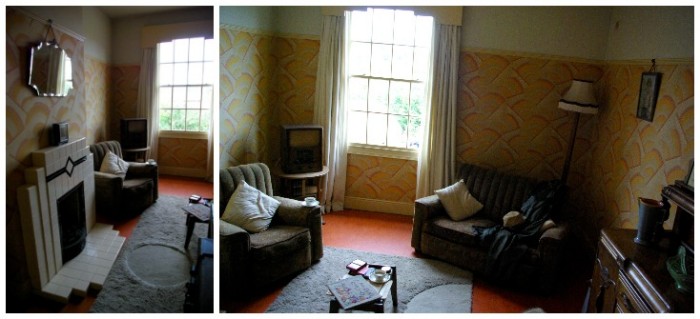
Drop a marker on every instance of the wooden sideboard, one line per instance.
(628, 277)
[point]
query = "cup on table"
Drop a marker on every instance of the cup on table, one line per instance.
(310, 201)
(380, 274)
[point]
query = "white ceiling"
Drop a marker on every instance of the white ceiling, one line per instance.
(114, 12)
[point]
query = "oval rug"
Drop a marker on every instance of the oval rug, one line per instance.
(159, 265)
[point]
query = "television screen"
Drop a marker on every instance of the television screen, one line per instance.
(134, 133)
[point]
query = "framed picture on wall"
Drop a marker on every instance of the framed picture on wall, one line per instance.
(648, 93)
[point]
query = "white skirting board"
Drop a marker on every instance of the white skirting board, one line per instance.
(376, 205)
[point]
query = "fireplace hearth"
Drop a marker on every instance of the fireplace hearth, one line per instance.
(67, 252)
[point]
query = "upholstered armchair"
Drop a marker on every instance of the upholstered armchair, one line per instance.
(289, 245)
(123, 197)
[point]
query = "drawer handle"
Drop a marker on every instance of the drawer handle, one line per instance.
(627, 302)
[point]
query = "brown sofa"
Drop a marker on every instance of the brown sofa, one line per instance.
(457, 242)
(249, 261)
(123, 198)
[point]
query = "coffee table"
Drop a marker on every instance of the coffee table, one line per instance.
(377, 305)
(198, 213)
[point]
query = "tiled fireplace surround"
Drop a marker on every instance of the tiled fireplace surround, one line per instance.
(56, 171)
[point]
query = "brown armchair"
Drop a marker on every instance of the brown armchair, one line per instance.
(126, 197)
(253, 260)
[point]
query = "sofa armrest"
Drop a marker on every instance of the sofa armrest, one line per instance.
(424, 208)
(107, 186)
(293, 212)
(551, 247)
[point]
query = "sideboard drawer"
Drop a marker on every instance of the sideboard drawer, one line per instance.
(627, 299)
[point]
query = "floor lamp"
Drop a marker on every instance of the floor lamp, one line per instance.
(580, 98)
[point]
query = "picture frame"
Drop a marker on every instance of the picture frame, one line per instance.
(648, 94)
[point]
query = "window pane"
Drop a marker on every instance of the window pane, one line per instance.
(396, 134)
(378, 95)
(417, 99)
(398, 97)
(165, 74)
(420, 67)
(406, 22)
(192, 120)
(181, 47)
(376, 124)
(180, 72)
(383, 26)
(209, 73)
(206, 118)
(165, 98)
(209, 50)
(415, 132)
(165, 52)
(402, 62)
(194, 94)
(196, 49)
(195, 73)
(357, 124)
(424, 31)
(178, 120)
(361, 29)
(166, 117)
(381, 60)
(207, 97)
(179, 97)
(360, 56)
(358, 94)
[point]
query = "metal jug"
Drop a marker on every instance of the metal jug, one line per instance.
(652, 215)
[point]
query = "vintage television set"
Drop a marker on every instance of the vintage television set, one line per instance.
(302, 148)
(134, 133)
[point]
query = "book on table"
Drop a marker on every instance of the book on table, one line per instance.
(353, 291)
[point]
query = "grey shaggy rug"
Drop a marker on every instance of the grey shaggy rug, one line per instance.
(307, 293)
(150, 272)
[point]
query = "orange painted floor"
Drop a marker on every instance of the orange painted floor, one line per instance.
(167, 185)
(391, 234)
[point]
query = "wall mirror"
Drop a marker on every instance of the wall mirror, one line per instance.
(50, 70)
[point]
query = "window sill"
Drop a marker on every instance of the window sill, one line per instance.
(383, 151)
(183, 134)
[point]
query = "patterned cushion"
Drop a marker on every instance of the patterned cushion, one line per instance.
(461, 232)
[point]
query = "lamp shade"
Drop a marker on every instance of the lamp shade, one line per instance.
(580, 98)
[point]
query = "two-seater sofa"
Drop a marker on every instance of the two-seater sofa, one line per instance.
(457, 242)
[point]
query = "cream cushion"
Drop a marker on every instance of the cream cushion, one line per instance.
(458, 202)
(250, 209)
(114, 165)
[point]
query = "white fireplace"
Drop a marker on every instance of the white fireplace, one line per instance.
(56, 172)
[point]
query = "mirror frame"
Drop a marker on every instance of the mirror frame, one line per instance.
(59, 89)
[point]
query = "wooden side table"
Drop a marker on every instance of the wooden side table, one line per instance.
(301, 185)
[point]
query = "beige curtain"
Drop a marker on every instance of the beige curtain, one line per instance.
(329, 109)
(210, 147)
(436, 163)
(147, 100)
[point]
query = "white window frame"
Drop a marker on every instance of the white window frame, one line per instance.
(167, 133)
(383, 150)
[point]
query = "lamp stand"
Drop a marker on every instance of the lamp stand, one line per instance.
(572, 140)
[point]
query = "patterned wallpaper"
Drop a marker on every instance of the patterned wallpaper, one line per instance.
(631, 157)
(508, 115)
(125, 85)
(381, 178)
(97, 98)
(183, 153)
(266, 81)
(27, 119)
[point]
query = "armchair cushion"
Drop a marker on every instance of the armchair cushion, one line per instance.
(250, 209)
(112, 164)
(277, 242)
